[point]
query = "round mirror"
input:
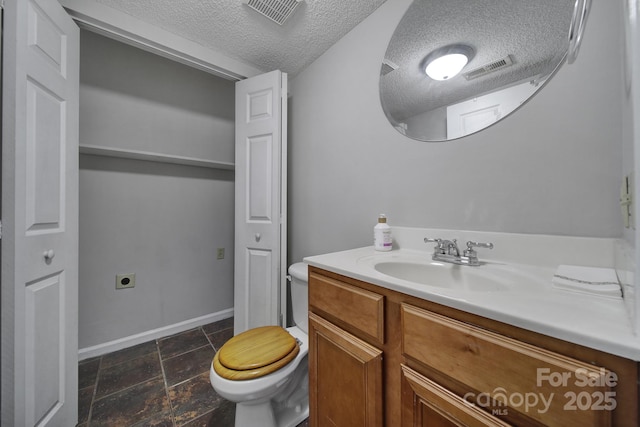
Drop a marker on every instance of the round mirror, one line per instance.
(455, 67)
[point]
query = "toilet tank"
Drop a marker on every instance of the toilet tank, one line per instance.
(300, 295)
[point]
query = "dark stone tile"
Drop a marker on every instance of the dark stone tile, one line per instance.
(219, 338)
(188, 365)
(162, 419)
(130, 406)
(182, 343)
(202, 421)
(124, 375)
(193, 398)
(223, 416)
(127, 354)
(85, 397)
(218, 326)
(88, 372)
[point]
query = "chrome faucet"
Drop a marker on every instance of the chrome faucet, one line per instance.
(447, 251)
(445, 247)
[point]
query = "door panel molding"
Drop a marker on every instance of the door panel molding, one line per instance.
(45, 354)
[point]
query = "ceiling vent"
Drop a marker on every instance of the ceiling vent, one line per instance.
(505, 62)
(276, 10)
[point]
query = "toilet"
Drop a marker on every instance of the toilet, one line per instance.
(265, 370)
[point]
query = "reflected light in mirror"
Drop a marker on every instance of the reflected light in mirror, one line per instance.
(447, 62)
(446, 66)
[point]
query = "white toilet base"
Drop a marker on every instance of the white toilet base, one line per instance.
(261, 414)
(293, 416)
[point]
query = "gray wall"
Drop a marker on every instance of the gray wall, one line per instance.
(553, 167)
(629, 258)
(630, 100)
(160, 221)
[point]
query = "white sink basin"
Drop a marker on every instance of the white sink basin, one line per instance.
(421, 270)
(443, 275)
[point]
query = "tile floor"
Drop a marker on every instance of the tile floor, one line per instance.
(161, 383)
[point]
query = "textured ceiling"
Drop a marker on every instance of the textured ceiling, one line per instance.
(232, 28)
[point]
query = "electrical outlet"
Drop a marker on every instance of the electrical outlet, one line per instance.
(220, 253)
(125, 281)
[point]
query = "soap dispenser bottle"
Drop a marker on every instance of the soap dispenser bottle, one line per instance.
(382, 240)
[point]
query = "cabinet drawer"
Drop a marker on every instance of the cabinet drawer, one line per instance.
(545, 386)
(359, 308)
(425, 403)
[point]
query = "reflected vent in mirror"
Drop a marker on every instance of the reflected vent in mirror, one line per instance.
(276, 10)
(505, 62)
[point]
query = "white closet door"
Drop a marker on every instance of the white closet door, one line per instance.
(39, 215)
(260, 205)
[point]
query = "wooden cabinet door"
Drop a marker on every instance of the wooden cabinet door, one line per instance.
(345, 378)
(510, 371)
(425, 403)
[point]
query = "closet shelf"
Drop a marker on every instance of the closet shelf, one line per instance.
(153, 157)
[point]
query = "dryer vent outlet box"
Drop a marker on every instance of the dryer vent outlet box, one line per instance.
(276, 10)
(125, 281)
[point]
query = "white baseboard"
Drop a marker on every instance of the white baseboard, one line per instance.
(130, 341)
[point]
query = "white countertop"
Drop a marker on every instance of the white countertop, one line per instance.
(534, 304)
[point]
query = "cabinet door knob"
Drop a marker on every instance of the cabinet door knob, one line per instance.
(258, 237)
(48, 255)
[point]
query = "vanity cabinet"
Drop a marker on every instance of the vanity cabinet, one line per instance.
(345, 370)
(379, 357)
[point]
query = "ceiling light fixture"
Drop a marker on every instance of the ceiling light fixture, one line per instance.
(447, 62)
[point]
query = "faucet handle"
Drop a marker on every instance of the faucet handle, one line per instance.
(430, 240)
(439, 243)
(471, 253)
(471, 245)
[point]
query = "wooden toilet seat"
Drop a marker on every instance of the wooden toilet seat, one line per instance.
(255, 353)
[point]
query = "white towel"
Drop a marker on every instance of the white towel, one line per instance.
(588, 280)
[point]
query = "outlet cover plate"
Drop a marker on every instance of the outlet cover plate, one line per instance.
(125, 281)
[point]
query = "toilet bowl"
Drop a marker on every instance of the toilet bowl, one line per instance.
(265, 370)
